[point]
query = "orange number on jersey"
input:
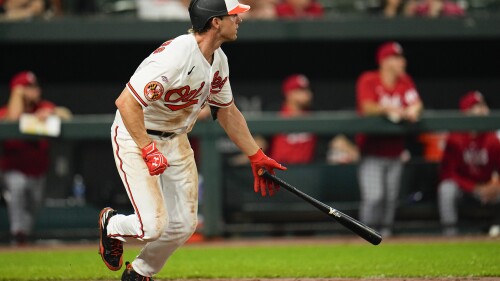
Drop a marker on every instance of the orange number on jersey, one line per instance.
(162, 47)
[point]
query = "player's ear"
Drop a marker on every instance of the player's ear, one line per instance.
(216, 22)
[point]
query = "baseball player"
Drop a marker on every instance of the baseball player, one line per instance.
(470, 166)
(156, 110)
(388, 92)
(24, 176)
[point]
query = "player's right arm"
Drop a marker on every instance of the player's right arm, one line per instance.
(133, 118)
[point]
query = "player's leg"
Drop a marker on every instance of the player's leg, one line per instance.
(449, 194)
(180, 188)
(370, 174)
(394, 170)
(35, 188)
(15, 196)
(150, 217)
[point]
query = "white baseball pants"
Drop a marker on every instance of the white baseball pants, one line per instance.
(24, 196)
(379, 181)
(165, 206)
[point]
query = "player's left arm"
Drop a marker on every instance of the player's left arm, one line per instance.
(235, 125)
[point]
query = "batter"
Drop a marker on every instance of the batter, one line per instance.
(156, 110)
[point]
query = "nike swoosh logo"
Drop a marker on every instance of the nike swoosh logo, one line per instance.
(191, 70)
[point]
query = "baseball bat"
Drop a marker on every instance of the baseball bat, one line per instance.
(355, 226)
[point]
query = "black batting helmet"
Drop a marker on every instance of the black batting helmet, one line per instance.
(201, 11)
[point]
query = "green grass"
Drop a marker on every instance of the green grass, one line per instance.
(457, 259)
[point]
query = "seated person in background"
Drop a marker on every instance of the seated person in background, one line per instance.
(295, 148)
(261, 9)
(470, 165)
(24, 162)
(391, 93)
(21, 9)
(163, 9)
(434, 8)
(294, 9)
(342, 150)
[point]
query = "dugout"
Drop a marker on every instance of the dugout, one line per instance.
(83, 63)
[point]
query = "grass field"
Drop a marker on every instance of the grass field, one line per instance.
(323, 260)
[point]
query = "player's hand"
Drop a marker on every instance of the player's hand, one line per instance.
(261, 160)
(156, 162)
(394, 114)
(488, 193)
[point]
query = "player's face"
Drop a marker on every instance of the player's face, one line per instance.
(229, 27)
(32, 94)
(396, 64)
(301, 97)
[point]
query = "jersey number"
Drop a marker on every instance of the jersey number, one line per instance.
(162, 47)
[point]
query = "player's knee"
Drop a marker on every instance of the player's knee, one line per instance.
(154, 229)
(447, 189)
(181, 232)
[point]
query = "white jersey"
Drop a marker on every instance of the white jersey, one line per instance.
(175, 82)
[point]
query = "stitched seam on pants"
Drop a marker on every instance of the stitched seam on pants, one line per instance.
(129, 191)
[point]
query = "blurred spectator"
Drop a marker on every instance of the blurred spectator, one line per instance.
(294, 9)
(163, 9)
(388, 92)
(434, 8)
(392, 8)
(470, 166)
(13, 10)
(261, 9)
(24, 163)
(295, 148)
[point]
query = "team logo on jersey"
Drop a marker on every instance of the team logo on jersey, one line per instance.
(153, 91)
(177, 99)
(217, 84)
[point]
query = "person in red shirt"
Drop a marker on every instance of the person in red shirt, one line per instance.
(294, 9)
(391, 93)
(295, 148)
(470, 165)
(24, 162)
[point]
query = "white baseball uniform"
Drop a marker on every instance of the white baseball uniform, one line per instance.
(172, 85)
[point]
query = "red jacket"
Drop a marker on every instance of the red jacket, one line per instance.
(294, 148)
(470, 159)
(31, 157)
(369, 87)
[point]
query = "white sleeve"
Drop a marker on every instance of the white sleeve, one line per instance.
(221, 94)
(153, 77)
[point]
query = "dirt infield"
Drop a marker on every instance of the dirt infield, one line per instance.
(278, 241)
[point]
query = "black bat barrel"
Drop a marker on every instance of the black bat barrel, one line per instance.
(355, 226)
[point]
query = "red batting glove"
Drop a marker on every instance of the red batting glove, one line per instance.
(261, 160)
(156, 162)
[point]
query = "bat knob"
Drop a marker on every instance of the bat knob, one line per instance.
(261, 172)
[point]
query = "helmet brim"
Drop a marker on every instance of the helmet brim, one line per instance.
(240, 9)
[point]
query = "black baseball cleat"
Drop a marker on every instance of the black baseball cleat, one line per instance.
(111, 250)
(130, 275)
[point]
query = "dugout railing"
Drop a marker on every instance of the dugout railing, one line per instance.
(215, 207)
